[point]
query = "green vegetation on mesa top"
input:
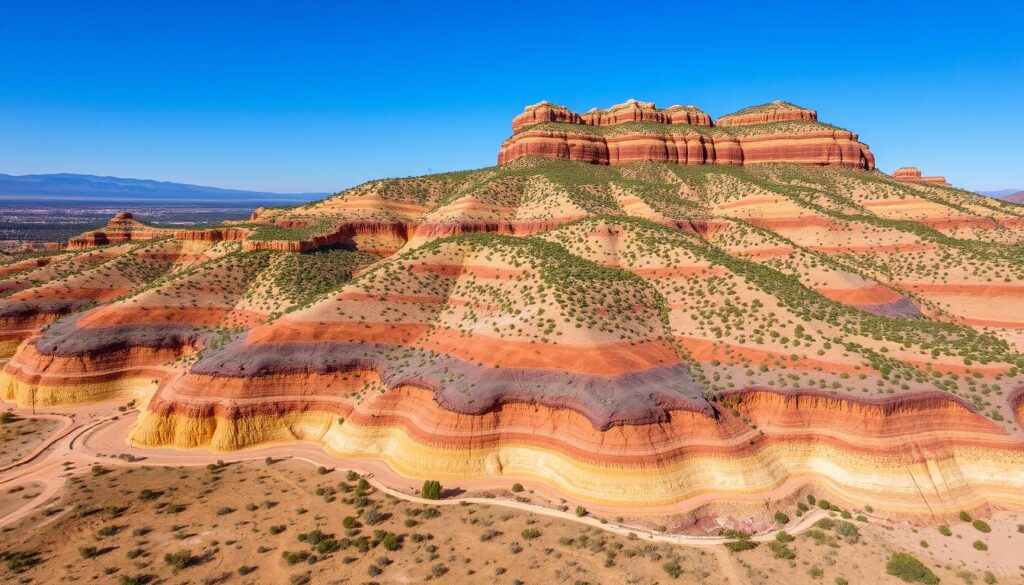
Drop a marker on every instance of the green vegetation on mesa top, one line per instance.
(654, 128)
(769, 107)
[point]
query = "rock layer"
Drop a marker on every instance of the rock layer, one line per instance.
(637, 131)
(913, 175)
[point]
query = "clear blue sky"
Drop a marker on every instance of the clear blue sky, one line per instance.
(317, 96)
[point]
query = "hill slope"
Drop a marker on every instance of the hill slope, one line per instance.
(642, 336)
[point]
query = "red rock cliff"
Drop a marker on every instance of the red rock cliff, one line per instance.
(635, 131)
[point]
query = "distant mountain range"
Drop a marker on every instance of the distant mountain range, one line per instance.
(1017, 197)
(72, 187)
(1000, 194)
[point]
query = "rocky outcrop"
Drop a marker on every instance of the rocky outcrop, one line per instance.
(123, 227)
(639, 131)
(631, 111)
(913, 175)
(777, 111)
(825, 148)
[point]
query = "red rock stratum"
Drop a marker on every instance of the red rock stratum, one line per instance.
(778, 132)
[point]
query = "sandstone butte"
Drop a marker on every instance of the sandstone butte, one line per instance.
(668, 339)
(913, 175)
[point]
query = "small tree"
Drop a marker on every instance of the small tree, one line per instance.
(432, 489)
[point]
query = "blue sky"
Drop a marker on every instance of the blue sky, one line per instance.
(318, 96)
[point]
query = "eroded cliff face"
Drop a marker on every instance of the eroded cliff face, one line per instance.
(638, 131)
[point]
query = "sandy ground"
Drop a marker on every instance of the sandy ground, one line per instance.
(21, 436)
(134, 506)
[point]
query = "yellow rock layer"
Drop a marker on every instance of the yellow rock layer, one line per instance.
(26, 394)
(949, 480)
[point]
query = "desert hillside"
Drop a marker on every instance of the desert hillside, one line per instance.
(638, 308)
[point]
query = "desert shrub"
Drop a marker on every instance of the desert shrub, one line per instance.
(148, 494)
(848, 531)
(327, 546)
(88, 552)
(781, 518)
(293, 558)
(673, 568)
(391, 541)
(825, 523)
(517, 487)
(581, 511)
(431, 490)
(374, 516)
(964, 516)
(19, 561)
(784, 537)
(980, 545)
(822, 537)
(740, 545)
(781, 551)
(981, 526)
(530, 533)
(908, 568)
(277, 529)
(179, 560)
(945, 531)
(438, 570)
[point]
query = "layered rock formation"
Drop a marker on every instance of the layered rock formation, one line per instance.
(635, 131)
(123, 227)
(644, 337)
(913, 175)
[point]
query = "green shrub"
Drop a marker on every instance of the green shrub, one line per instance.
(673, 568)
(179, 560)
(431, 490)
(581, 511)
(980, 545)
(530, 533)
(391, 541)
(293, 558)
(517, 487)
(945, 531)
(909, 569)
(848, 531)
(781, 551)
(781, 518)
(740, 545)
(981, 526)
(964, 516)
